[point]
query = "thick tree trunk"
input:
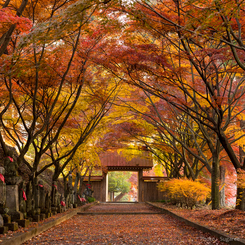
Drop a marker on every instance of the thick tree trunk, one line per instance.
(119, 197)
(215, 183)
(240, 200)
(75, 186)
(57, 172)
(65, 186)
(227, 146)
(240, 204)
(222, 186)
(111, 196)
(81, 182)
(80, 185)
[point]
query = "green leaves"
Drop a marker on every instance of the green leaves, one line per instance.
(118, 182)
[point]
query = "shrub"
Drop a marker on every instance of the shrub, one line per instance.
(184, 191)
(164, 201)
(91, 199)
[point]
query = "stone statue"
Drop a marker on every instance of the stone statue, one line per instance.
(2, 171)
(47, 205)
(62, 200)
(54, 194)
(29, 201)
(88, 190)
(22, 198)
(11, 173)
(42, 195)
(2, 191)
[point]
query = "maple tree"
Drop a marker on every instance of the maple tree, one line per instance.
(171, 80)
(54, 99)
(168, 135)
(210, 59)
(10, 21)
(79, 77)
(195, 75)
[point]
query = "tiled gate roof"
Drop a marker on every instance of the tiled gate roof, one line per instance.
(115, 161)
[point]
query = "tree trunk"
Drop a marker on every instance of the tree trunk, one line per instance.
(222, 186)
(65, 186)
(119, 197)
(215, 183)
(81, 182)
(240, 204)
(75, 186)
(57, 172)
(240, 199)
(111, 196)
(227, 147)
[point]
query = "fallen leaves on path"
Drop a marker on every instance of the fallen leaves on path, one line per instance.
(229, 221)
(123, 229)
(121, 207)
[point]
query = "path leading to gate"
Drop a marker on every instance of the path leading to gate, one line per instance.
(145, 226)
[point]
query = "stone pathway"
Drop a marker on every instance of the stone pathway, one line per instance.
(122, 208)
(150, 228)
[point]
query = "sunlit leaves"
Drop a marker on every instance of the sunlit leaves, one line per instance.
(185, 191)
(241, 178)
(8, 18)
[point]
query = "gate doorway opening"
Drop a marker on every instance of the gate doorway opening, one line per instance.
(122, 186)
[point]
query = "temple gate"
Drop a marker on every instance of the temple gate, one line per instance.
(112, 161)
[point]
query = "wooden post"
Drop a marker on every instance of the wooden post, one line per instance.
(104, 188)
(140, 186)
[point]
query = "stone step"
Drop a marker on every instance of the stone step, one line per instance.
(23, 222)
(3, 229)
(6, 218)
(12, 226)
(42, 216)
(118, 213)
(36, 218)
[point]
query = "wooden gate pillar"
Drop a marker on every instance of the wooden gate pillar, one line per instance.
(140, 186)
(104, 188)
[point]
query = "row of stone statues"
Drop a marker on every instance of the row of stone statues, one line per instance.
(21, 203)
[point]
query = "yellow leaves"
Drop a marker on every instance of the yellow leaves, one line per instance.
(89, 153)
(158, 170)
(237, 133)
(240, 116)
(185, 191)
(152, 99)
(138, 107)
(241, 178)
(131, 152)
